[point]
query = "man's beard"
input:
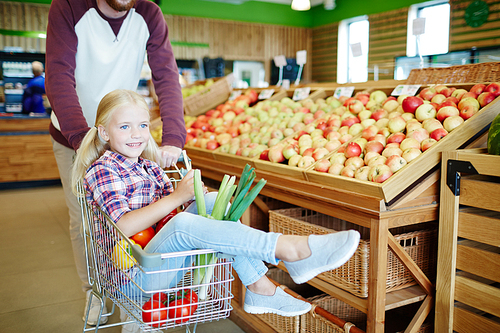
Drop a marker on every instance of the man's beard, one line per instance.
(121, 7)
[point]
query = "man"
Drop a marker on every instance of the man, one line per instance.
(35, 89)
(94, 47)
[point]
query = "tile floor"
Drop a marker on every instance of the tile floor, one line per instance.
(39, 288)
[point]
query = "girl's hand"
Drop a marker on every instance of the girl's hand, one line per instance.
(185, 187)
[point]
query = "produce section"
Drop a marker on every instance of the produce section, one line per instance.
(409, 197)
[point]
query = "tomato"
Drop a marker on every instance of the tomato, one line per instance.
(182, 305)
(154, 311)
(164, 220)
(143, 237)
(160, 297)
(122, 255)
(182, 309)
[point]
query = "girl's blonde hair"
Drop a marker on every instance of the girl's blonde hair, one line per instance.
(92, 146)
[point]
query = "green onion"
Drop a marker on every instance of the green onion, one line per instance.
(247, 201)
(198, 193)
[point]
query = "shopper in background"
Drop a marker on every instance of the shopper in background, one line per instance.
(34, 91)
(94, 47)
(116, 166)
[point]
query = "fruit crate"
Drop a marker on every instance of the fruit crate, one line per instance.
(467, 285)
(208, 98)
(353, 277)
(415, 171)
(473, 73)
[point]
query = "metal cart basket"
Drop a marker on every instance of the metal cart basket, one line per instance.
(130, 277)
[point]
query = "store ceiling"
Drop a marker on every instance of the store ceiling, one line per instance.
(283, 2)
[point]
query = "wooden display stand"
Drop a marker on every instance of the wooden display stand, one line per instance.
(468, 269)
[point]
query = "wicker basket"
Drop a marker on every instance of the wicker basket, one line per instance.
(314, 323)
(208, 98)
(473, 73)
(353, 275)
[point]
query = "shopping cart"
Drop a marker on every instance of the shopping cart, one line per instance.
(134, 280)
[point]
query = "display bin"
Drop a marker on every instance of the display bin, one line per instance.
(313, 322)
(467, 286)
(473, 73)
(208, 98)
(353, 275)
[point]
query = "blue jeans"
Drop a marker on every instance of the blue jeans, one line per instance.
(189, 231)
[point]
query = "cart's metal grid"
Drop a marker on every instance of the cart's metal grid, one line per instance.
(109, 254)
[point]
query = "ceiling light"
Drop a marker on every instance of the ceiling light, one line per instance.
(301, 4)
(329, 4)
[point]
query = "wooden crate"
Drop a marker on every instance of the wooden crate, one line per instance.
(208, 98)
(467, 286)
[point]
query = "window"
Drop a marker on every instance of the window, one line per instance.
(435, 38)
(352, 57)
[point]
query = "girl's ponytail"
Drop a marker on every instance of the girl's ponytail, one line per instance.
(91, 148)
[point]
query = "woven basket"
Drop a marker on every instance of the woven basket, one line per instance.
(208, 98)
(315, 323)
(353, 275)
(472, 73)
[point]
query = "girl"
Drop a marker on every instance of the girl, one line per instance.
(116, 164)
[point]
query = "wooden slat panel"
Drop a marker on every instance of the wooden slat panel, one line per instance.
(477, 226)
(469, 322)
(478, 261)
(475, 193)
(478, 295)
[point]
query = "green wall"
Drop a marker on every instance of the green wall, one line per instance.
(270, 13)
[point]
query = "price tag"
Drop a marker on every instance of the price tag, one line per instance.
(234, 94)
(286, 84)
(343, 91)
(356, 50)
(266, 93)
(419, 26)
(301, 57)
(280, 61)
(405, 89)
(301, 93)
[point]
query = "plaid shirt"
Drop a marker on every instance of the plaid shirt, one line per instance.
(117, 185)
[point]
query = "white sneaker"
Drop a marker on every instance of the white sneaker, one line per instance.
(95, 306)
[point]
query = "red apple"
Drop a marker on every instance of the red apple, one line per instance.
(446, 112)
(380, 138)
(468, 101)
(379, 114)
(427, 93)
(375, 146)
(411, 103)
(419, 134)
(319, 153)
(352, 149)
(494, 88)
(397, 137)
(486, 98)
(427, 143)
(308, 152)
(438, 134)
(379, 173)
(477, 88)
(395, 163)
(468, 111)
(322, 165)
(431, 124)
(264, 155)
(349, 121)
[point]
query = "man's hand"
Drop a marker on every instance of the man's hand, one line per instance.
(169, 155)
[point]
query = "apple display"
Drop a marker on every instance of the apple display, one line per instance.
(452, 122)
(446, 112)
(362, 173)
(425, 111)
(379, 173)
(395, 163)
